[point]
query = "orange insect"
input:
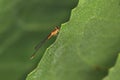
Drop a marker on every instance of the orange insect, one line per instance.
(37, 47)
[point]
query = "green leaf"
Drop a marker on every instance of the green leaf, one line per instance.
(87, 45)
(23, 23)
(114, 72)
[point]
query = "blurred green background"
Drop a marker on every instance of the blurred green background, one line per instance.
(23, 24)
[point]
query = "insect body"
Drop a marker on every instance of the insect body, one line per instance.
(37, 47)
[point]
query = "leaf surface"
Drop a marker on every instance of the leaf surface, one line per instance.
(114, 71)
(23, 24)
(87, 45)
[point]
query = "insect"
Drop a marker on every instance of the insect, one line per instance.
(37, 47)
